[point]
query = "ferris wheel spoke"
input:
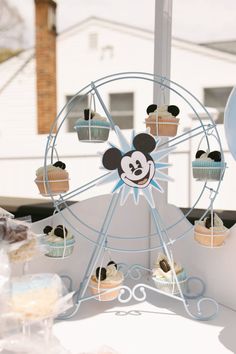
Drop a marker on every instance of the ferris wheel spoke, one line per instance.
(186, 136)
(83, 188)
(103, 105)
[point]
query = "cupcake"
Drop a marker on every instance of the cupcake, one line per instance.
(163, 275)
(106, 279)
(59, 241)
(92, 128)
(210, 232)
(35, 296)
(58, 179)
(208, 166)
(162, 120)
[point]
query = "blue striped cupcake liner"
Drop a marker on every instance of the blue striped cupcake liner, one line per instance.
(59, 250)
(205, 170)
(171, 286)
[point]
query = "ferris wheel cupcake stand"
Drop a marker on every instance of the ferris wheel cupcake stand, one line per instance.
(151, 150)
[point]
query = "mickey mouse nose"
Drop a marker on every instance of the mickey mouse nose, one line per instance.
(138, 172)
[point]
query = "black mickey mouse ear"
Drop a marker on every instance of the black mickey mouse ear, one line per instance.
(111, 159)
(199, 153)
(101, 273)
(215, 155)
(144, 142)
(174, 110)
(60, 164)
(47, 229)
(151, 108)
(112, 263)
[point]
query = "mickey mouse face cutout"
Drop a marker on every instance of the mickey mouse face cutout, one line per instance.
(136, 168)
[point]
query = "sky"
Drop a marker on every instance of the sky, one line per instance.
(198, 21)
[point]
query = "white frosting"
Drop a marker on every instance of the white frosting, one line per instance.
(204, 157)
(161, 112)
(53, 238)
(40, 170)
(118, 276)
(218, 223)
(159, 273)
(97, 116)
(111, 271)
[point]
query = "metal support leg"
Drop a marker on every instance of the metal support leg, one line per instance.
(95, 255)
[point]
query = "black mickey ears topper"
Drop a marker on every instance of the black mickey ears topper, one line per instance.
(215, 155)
(199, 153)
(88, 114)
(112, 263)
(47, 229)
(60, 164)
(101, 273)
(174, 110)
(209, 221)
(144, 142)
(60, 231)
(151, 108)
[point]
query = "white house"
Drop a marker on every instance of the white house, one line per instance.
(92, 49)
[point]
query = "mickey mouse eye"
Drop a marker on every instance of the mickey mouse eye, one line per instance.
(131, 167)
(138, 163)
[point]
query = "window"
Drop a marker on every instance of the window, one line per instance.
(93, 40)
(217, 97)
(122, 109)
(77, 111)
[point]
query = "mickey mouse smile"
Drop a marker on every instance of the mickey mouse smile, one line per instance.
(141, 181)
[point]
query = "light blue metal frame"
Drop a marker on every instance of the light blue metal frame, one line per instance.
(161, 231)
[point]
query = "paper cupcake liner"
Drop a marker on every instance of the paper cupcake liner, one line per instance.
(96, 134)
(96, 288)
(215, 239)
(58, 249)
(163, 127)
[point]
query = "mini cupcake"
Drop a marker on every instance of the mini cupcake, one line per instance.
(106, 279)
(208, 166)
(163, 275)
(59, 241)
(162, 120)
(210, 233)
(57, 176)
(92, 128)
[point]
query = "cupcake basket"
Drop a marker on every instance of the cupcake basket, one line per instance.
(61, 249)
(208, 170)
(52, 187)
(92, 130)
